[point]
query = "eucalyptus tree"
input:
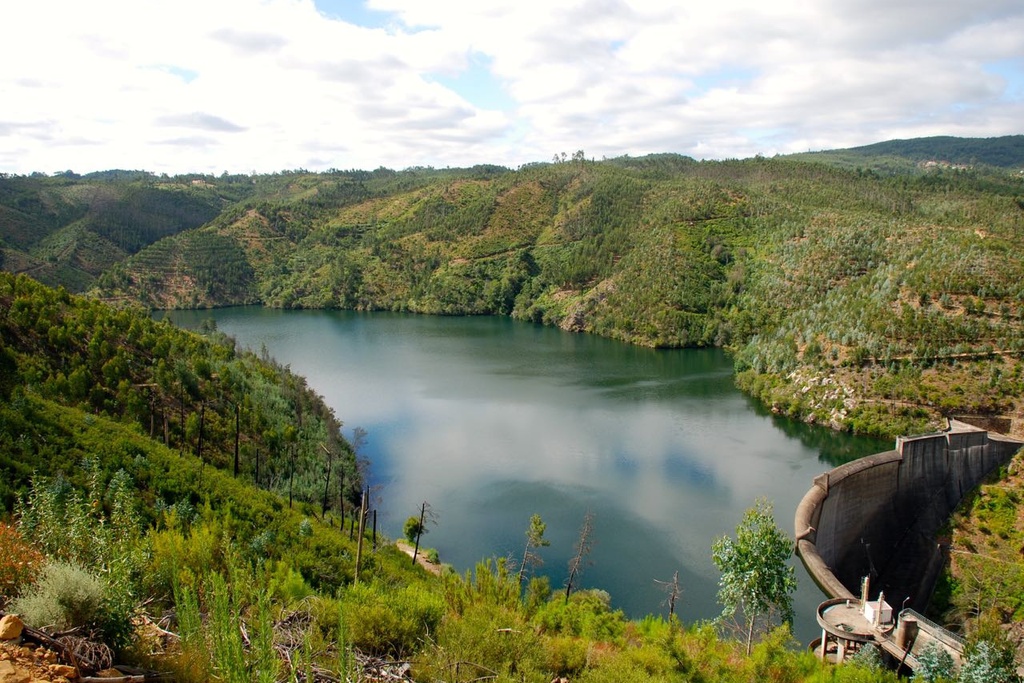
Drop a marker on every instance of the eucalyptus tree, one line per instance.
(534, 539)
(756, 582)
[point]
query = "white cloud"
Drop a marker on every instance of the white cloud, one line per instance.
(273, 84)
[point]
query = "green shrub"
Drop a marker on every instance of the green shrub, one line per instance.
(287, 585)
(183, 553)
(566, 655)
(73, 527)
(384, 620)
(490, 583)
(493, 638)
(65, 596)
(614, 666)
(587, 613)
(934, 664)
(868, 657)
(192, 661)
(987, 663)
(774, 658)
(412, 528)
(226, 638)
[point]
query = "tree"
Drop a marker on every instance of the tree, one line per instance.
(327, 483)
(934, 664)
(583, 546)
(412, 529)
(673, 590)
(419, 526)
(756, 581)
(987, 663)
(534, 539)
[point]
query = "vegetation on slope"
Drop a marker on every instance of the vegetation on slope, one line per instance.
(193, 394)
(982, 591)
(67, 230)
(853, 295)
(112, 526)
(1003, 152)
(868, 303)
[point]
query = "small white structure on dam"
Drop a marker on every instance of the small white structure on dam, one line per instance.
(848, 625)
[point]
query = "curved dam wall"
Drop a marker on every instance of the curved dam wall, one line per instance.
(879, 516)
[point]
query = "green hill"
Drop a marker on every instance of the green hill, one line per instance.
(862, 301)
(192, 394)
(856, 288)
(925, 153)
(124, 513)
(66, 230)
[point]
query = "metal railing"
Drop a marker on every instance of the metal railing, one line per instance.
(938, 632)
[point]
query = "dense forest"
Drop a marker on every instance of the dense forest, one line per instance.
(861, 297)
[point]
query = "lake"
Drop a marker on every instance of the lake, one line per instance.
(491, 420)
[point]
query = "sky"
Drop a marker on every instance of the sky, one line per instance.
(242, 86)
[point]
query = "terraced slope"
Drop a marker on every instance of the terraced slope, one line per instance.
(67, 231)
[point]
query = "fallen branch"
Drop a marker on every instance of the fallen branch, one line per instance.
(143, 678)
(45, 639)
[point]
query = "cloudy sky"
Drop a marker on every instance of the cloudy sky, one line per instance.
(267, 85)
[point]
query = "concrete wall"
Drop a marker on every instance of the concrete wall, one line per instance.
(879, 516)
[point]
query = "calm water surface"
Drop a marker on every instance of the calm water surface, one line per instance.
(492, 420)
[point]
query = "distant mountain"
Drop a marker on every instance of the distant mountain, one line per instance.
(67, 230)
(1001, 152)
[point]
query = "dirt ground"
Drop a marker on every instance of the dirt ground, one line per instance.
(420, 559)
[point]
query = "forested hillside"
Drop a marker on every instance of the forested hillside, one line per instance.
(853, 295)
(1004, 152)
(230, 409)
(68, 229)
(124, 516)
(865, 301)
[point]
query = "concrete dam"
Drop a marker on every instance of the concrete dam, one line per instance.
(879, 516)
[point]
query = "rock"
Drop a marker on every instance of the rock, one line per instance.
(9, 673)
(62, 670)
(10, 627)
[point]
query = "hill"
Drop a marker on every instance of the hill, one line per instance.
(194, 395)
(139, 516)
(983, 586)
(67, 230)
(871, 303)
(940, 151)
(866, 300)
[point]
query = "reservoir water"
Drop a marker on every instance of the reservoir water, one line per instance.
(492, 420)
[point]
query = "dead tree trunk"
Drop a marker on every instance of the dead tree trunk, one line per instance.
(291, 477)
(236, 438)
(341, 499)
(419, 532)
(673, 590)
(327, 484)
(583, 546)
(362, 529)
